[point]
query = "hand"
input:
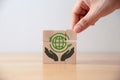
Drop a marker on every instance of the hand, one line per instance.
(87, 12)
(51, 54)
(67, 54)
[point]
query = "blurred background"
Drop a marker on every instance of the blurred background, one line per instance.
(23, 21)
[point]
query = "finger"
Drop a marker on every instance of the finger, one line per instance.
(75, 13)
(89, 19)
(79, 11)
(77, 17)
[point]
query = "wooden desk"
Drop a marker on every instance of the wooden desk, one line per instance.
(88, 67)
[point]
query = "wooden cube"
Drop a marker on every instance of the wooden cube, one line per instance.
(58, 47)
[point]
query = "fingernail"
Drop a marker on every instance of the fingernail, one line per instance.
(77, 28)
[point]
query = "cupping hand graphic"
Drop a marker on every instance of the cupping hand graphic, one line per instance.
(51, 54)
(65, 55)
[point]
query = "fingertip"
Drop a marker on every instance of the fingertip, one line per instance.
(77, 29)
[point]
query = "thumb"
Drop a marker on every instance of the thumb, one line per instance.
(89, 19)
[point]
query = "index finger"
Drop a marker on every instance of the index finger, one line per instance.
(78, 12)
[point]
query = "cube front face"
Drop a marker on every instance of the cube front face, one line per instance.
(59, 47)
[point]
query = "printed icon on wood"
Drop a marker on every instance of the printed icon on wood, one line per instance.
(59, 46)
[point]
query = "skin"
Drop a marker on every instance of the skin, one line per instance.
(87, 12)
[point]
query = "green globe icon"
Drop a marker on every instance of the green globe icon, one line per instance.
(58, 42)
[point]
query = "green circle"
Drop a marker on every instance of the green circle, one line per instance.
(58, 42)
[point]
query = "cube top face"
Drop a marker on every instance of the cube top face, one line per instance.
(57, 44)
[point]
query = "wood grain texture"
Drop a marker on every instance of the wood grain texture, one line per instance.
(29, 66)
